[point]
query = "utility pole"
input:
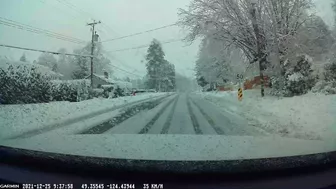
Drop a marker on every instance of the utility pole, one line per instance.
(261, 56)
(92, 47)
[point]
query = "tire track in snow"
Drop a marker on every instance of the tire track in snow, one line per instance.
(166, 126)
(128, 113)
(156, 117)
(196, 126)
(208, 118)
(52, 127)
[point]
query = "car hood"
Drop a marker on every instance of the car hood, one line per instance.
(173, 147)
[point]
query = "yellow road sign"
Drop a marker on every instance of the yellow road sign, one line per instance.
(240, 94)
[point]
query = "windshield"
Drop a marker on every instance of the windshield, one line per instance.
(174, 80)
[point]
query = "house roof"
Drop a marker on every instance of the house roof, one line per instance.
(101, 77)
(121, 84)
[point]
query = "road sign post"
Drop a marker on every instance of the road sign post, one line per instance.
(240, 90)
(240, 94)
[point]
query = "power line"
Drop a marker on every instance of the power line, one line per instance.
(33, 29)
(43, 51)
(109, 28)
(123, 69)
(84, 13)
(81, 10)
(44, 30)
(153, 77)
(126, 71)
(122, 63)
(89, 14)
(74, 17)
(144, 46)
(139, 33)
(67, 4)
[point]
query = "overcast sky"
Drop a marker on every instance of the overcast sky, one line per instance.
(120, 17)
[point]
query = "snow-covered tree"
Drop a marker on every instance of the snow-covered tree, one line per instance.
(23, 58)
(168, 77)
(313, 38)
(234, 22)
(127, 79)
(48, 60)
(160, 73)
(81, 66)
(101, 64)
(64, 64)
(334, 10)
(217, 63)
(201, 80)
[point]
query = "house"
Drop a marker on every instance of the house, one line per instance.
(100, 80)
(103, 80)
(256, 81)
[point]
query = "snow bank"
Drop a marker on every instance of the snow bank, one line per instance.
(15, 119)
(311, 116)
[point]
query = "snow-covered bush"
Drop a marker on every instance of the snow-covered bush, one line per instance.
(21, 85)
(328, 85)
(330, 71)
(298, 78)
(96, 93)
(64, 92)
(71, 90)
(25, 84)
(325, 87)
(118, 92)
(278, 86)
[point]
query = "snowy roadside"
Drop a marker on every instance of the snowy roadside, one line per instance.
(16, 119)
(311, 116)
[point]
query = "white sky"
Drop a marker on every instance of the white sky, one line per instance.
(123, 17)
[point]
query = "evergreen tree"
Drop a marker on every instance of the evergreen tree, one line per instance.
(81, 68)
(155, 65)
(127, 79)
(201, 81)
(23, 58)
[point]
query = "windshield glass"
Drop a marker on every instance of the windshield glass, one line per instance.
(175, 80)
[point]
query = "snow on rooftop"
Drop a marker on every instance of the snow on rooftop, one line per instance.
(121, 84)
(75, 82)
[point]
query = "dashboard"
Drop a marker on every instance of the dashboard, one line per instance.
(39, 170)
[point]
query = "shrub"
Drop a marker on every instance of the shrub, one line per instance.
(22, 85)
(96, 93)
(118, 92)
(330, 72)
(71, 90)
(328, 85)
(298, 78)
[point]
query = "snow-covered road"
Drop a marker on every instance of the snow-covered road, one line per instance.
(180, 113)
